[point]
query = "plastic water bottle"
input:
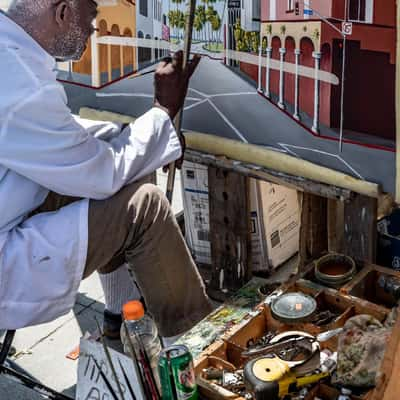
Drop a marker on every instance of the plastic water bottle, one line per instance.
(142, 326)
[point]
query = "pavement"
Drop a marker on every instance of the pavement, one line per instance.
(223, 103)
(42, 349)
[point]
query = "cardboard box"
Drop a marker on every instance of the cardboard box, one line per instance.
(280, 210)
(196, 208)
(274, 216)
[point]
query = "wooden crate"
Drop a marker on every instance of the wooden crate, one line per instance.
(344, 301)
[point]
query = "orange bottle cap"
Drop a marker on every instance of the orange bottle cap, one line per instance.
(133, 310)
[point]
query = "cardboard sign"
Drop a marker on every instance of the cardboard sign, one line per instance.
(91, 384)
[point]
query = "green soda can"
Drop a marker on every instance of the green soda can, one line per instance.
(178, 381)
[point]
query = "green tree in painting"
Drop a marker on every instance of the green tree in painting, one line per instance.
(216, 24)
(201, 19)
(210, 15)
(176, 17)
(181, 22)
(198, 26)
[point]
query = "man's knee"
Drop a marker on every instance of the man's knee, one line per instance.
(151, 195)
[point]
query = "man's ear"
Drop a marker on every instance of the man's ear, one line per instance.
(62, 13)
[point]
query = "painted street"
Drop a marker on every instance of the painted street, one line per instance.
(221, 102)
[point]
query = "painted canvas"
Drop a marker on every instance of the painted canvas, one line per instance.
(311, 78)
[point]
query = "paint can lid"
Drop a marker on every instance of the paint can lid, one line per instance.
(294, 307)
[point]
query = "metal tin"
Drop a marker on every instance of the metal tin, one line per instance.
(293, 307)
(335, 270)
(177, 377)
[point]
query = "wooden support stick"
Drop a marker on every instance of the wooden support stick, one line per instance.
(178, 119)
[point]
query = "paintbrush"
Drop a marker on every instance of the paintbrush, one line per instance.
(136, 365)
(147, 367)
(109, 360)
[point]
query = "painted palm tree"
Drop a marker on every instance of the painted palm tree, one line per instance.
(172, 20)
(216, 24)
(210, 15)
(202, 19)
(177, 16)
(198, 26)
(181, 20)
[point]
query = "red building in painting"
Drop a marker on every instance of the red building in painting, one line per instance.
(303, 62)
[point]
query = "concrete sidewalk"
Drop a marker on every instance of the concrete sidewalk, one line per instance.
(42, 350)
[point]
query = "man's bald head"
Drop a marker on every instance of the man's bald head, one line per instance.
(61, 27)
(29, 9)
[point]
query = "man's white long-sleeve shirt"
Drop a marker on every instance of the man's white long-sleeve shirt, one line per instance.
(43, 147)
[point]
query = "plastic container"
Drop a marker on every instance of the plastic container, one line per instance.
(142, 326)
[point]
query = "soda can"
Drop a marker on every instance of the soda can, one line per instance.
(177, 377)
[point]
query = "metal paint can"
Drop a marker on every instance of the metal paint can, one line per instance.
(177, 377)
(335, 270)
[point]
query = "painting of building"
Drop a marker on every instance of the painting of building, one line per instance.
(107, 62)
(232, 17)
(250, 15)
(151, 23)
(294, 33)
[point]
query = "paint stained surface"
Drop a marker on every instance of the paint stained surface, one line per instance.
(315, 80)
(233, 313)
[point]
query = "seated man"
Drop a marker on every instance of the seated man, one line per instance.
(73, 193)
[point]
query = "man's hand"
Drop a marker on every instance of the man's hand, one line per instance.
(171, 82)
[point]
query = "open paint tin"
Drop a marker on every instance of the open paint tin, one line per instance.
(335, 270)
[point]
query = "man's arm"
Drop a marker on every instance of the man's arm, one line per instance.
(42, 141)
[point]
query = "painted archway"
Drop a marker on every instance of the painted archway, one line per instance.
(128, 54)
(276, 45)
(141, 49)
(115, 54)
(306, 86)
(290, 46)
(148, 51)
(326, 88)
